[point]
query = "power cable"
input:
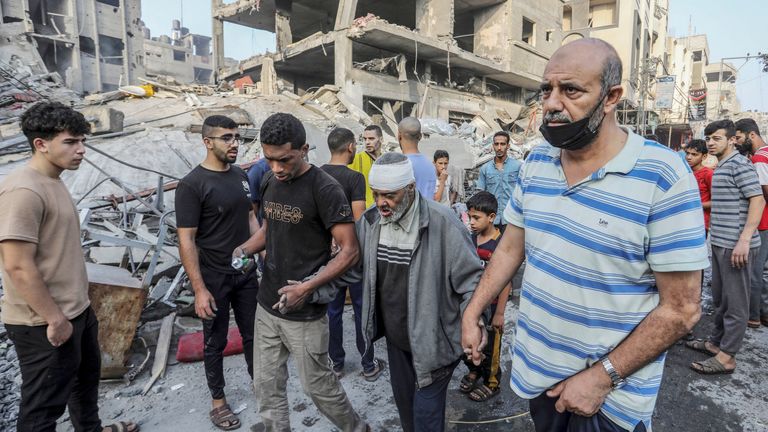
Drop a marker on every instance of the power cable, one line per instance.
(496, 420)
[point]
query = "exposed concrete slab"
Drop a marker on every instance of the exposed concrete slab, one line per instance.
(307, 17)
(401, 40)
(314, 53)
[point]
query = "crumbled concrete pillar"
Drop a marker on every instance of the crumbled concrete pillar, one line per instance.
(268, 77)
(345, 14)
(218, 38)
(283, 34)
(103, 119)
(342, 59)
(434, 18)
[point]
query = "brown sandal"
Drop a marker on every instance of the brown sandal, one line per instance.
(122, 427)
(223, 418)
(482, 393)
(711, 366)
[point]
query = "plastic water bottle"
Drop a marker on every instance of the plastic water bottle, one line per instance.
(242, 263)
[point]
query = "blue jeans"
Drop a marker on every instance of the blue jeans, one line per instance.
(336, 328)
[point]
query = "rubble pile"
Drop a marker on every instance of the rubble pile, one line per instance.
(10, 382)
(24, 79)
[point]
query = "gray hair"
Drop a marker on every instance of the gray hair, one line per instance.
(390, 158)
(611, 72)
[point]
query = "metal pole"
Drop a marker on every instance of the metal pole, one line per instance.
(719, 89)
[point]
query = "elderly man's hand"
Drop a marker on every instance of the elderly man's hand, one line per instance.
(473, 338)
(584, 393)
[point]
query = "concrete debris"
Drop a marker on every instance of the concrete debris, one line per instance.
(103, 119)
(394, 66)
(24, 79)
(10, 383)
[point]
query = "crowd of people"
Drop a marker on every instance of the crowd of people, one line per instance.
(612, 228)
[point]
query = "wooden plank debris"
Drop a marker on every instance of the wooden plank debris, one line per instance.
(161, 351)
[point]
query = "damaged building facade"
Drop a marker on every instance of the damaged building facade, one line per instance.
(183, 55)
(458, 60)
(94, 46)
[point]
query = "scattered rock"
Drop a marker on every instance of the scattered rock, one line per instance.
(309, 421)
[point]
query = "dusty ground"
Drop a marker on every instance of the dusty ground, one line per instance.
(688, 402)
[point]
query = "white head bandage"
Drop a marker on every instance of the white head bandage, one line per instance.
(391, 177)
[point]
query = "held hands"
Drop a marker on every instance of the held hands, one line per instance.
(584, 393)
(473, 338)
(292, 296)
(59, 332)
(443, 176)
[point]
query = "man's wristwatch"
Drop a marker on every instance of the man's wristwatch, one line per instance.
(617, 381)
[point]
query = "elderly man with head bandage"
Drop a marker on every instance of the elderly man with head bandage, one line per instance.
(419, 269)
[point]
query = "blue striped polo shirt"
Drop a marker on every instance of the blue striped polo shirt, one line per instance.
(592, 250)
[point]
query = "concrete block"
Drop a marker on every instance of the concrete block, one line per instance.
(103, 119)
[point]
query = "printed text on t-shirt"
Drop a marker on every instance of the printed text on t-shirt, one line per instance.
(282, 212)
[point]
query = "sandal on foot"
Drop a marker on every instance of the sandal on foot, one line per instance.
(468, 382)
(711, 366)
(223, 418)
(700, 345)
(122, 427)
(373, 374)
(753, 323)
(482, 393)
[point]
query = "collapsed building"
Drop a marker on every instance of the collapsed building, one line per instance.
(476, 61)
(94, 46)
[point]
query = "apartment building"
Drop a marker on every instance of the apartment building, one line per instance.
(183, 55)
(455, 59)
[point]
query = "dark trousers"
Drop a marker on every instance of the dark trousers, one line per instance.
(336, 328)
(420, 409)
(238, 291)
(547, 419)
(730, 296)
(490, 368)
(55, 378)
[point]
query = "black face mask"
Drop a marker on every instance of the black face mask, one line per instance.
(575, 135)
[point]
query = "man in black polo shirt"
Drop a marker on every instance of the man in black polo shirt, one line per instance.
(304, 210)
(213, 213)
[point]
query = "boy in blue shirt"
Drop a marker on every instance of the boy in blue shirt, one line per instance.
(486, 236)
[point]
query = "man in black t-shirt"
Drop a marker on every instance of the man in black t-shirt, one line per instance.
(304, 210)
(341, 143)
(213, 215)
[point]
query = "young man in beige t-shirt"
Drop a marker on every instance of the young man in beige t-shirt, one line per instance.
(45, 304)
